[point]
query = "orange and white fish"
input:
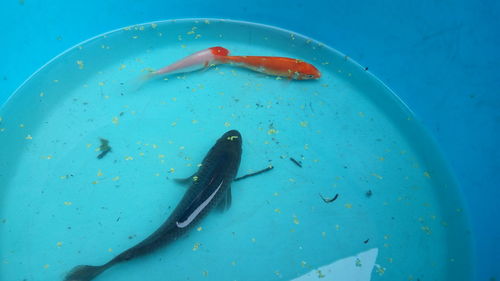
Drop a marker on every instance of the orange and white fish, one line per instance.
(196, 61)
(280, 66)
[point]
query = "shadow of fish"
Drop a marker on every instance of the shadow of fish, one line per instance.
(210, 187)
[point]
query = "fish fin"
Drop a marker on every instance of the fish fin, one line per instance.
(225, 202)
(187, 180)
(84, 272)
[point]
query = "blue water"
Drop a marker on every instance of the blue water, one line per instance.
(440, 57)
(398, 215)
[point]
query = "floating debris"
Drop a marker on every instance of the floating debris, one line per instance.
(104, 148)
(254, 174)
(298, 163)
(329, 200)
(369, 193)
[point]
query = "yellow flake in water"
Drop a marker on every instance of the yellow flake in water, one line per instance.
(42, 94)
(154, 146)
(154, 25)
(117, 178)
(291, 180)
(337, 227)
(194, 121)
(277, 273)
(88, 145)
(46, 266)
(320, 274)
(199, 228)
(304, 124)
(21, 125)
(68, 203)
(128, 158)
(196, 246)
(173, 124)
(227, 124)
(141, 153)
(172, 170)
(48, 157)
(190, 32)
(295, 219)
(426, 229)
(380, 270)
(99, 173)
(277, 211)
(80, 64)
(161, 156)
(348, 205)
(101, 83)
(205, 273)
(306, 146)
(110, 250)
(29, 137)
(233, 263)
(427, 175)
(390, 260)
(59, 244)
(377, 176)
(323, 234)
(2, 129)
(272, 131)
(122, 66)
(276, 194)
(253, 240)
(358, 263)
(95, 182)
(135, 37)
(381, 158)
(55, 81)
(183, 46)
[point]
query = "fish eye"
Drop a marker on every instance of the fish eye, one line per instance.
(309, 76)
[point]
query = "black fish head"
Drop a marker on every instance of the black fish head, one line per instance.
(231, 139)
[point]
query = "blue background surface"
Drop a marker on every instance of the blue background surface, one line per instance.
(440, 57)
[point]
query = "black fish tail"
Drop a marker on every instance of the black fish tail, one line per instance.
(86, 272)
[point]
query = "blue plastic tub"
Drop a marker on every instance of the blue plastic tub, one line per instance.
(431, 61)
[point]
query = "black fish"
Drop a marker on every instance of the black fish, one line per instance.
(210, 187)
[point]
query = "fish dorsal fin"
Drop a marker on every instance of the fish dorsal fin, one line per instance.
(225, 202)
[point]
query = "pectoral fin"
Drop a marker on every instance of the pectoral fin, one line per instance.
(225, 202)
(187, 180)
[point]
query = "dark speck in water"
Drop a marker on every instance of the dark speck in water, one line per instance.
(369, 193)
